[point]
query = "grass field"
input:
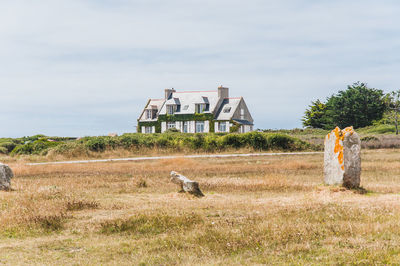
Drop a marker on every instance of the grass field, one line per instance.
(263, 210)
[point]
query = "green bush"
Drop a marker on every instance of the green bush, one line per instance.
(3, 150)
(40, 147)
(256, 140)
(280, 142)
(233, 140)
(128, 141)
(96, 144)
(169, 141)
(7, 147)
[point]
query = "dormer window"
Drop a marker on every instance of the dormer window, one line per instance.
(149, 114)
(201, 107)
(171, 109)
(227, 109)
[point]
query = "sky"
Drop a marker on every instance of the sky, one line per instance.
(88, 67)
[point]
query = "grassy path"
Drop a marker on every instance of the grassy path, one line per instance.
(175, 157)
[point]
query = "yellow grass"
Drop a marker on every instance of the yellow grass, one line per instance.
(261, 210)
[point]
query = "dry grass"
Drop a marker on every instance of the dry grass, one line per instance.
(261, 210)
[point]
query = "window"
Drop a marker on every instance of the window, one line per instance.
(227, 109)
(148, 130)
(185, 107)
(222, 126)
(185, 127)
(241, 113)
(149, 114)
(200, 108)
(171, 125)
(199, 126)
(171, 109)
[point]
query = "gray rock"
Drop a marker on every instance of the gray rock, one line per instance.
(5, 177)
(342, 158)
(186, 184)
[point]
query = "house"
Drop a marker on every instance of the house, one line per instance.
(196, 112)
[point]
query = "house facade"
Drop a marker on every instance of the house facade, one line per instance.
(196, 112)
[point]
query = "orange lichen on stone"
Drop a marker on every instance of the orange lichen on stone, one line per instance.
(339, 134)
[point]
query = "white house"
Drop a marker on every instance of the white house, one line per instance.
(196, 112)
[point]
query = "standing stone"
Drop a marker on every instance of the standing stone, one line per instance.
(342, 158)
(5, 177)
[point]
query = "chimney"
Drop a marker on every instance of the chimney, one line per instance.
(168, 93)
(223, 92)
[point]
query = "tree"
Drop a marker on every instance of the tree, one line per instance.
(358, 106)
(315, 116)
(392, 101)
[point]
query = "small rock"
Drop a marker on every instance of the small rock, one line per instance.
(5, 177)
(342, 158)
(186, 184)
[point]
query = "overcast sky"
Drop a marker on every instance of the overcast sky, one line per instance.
(87, 67)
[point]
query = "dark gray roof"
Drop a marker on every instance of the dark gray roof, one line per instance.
(243, 122)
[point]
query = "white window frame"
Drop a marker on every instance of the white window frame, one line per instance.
(222, 127)
(199, 126)
(148, 129)
(171, 109)
(171, 125)
(185, 128)
(200, 108)
(149, 114)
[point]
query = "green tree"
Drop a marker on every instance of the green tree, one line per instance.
(358, 106)
(392, 101)
(315, 116)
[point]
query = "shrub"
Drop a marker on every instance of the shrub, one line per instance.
(96, 144)
(256, 140)
(169, 141)
(128, 141)
(280, 141)
(3, 150)
(7, 146)
(232, 140)
(197, 141)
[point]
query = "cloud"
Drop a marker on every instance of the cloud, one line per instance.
(72, 67)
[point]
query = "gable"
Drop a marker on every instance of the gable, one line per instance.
(152, 104)
(227, 109)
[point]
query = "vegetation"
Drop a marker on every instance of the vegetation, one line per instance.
(175, 142)
(170, 140)
(257, 210)
(357, 106)
(315, 116)
(392, 101)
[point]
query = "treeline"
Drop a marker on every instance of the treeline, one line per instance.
(357, 106)
(167, 141)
